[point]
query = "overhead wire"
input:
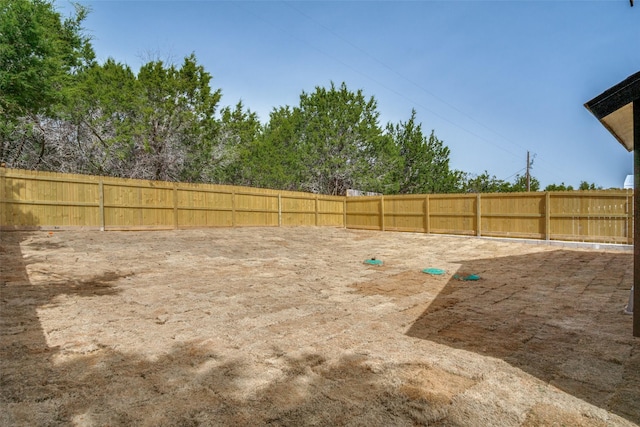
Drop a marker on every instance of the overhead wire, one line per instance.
(383, 85)
(402, 76)
(515, 173)
(422, 88)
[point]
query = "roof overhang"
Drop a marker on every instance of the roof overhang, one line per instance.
(614, 109)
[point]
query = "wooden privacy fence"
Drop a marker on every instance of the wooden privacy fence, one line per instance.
(31, 199)
(46, 200)
(584, 216)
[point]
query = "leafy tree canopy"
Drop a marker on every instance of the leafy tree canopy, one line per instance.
(39, 54)
(558, 187)
(584, 185)
(338, 135)
(422, 163)
(484, 183)
(520, 184)
(273, 159)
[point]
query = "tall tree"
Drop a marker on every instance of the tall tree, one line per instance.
(274, 158)
(40, 54)
(238, 129)
(103, 118)
(339, 137)
(423, 162)
(177, 120)
(584, 185)
(328, 143)
(157, 125)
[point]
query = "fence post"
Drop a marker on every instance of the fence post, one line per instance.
(316, 199)
(547, 216)
(382, 213)
(140, 210)
(427, 222)
(101, 203)
(279, 210)
(478, 216)
(233, 208)
(175, 206)
(344, 212)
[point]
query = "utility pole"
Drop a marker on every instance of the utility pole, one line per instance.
(528, 175)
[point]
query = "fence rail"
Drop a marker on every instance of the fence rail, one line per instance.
(47, 200)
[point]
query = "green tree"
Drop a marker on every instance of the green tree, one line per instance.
(484, 183)
(159, 124)
(520, 184)
(328, 143)
(274, 158)
(422, 164)
(103, 113)
(584, 185)
(40, 55)
(238, 129)
(176, 120)
(39, 52)
(558, 187)
(340, 138)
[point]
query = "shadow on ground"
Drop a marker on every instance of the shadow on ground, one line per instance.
(564, 327)
(190, 384)
(556, 315)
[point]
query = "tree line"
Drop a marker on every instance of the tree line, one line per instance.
(64, 111)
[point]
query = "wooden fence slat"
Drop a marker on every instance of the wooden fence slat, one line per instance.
(478, 216)
(547, 216)
(101, 207)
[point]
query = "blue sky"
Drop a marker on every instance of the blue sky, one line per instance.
(493, 79)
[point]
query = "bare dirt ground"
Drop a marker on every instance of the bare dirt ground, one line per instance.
(288, 326)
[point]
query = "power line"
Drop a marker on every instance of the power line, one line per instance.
(381, 84)
(408, 80)
(514, 174)
(369, 77)
(419, 86)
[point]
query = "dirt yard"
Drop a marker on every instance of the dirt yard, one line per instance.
(289, 326)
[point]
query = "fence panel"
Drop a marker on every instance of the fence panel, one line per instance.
(592, 216)
(298, 210)
(331, 211)
(256, 209)
(453, 214)
(203, 206)
(32, 199)
(138, 204)
(516, 215)
(364, 212)
(46, 198)
(405, 213)
(595, 216)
